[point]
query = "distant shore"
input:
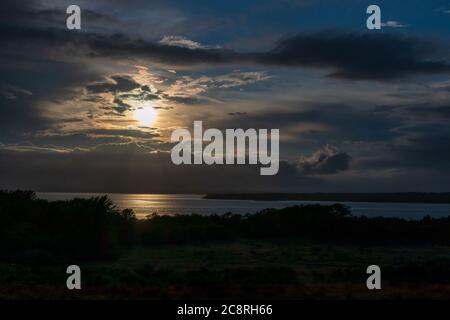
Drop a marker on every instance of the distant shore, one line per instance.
(400, 197)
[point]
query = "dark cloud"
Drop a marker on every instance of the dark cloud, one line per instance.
(424, 146)
(350, 55)
(422, 133)
(121, 106)
(162, 108)
(431, 111)
(12, 92)
(361, 55)
(420, 111)
(118, 83)
(142, 95)
(132, 168)
(18, 116)
(86, 139)
(72, 141)
(115, 114)
(123, 132)
(121, 86)
(342, 121)
(72, 120)
(185, 100)
(425, 153)
(115, 45)
(32, 83)
(237, 113)
(328, 160)
(427, 149)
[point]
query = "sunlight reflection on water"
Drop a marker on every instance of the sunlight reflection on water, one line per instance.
(145, 204)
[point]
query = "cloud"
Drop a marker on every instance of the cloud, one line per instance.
(122, 133)
(35, 84)
(236, 79)
(393, 24)
(127, 92)
(124, 89)
(426, 149)
(349, 55)
(121, 106)
(237, 113)
(338, 121)
(135, 168)
(88, 140)
(421, 149)
(117, 83)
(141, 95)
(443, 85)
(66, 141)
(229, 80)
(436, 112)
(329, 160)
(180, 42)
(376, 56)
(12, 92)
(190, 90)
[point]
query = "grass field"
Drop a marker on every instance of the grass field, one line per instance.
(244, 269)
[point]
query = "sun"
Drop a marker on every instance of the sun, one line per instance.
(145, 115)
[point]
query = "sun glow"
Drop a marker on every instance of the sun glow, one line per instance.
(145, 115)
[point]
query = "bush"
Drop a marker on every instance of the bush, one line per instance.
(78, 228)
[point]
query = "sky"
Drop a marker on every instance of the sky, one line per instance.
(92, 110)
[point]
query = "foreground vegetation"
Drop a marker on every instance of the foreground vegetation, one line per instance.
(298, 252)
(247, 269)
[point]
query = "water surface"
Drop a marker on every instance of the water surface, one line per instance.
(145, 204)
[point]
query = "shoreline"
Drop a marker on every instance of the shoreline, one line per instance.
(398, 197)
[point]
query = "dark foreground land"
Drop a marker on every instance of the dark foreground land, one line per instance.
(294, 253)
